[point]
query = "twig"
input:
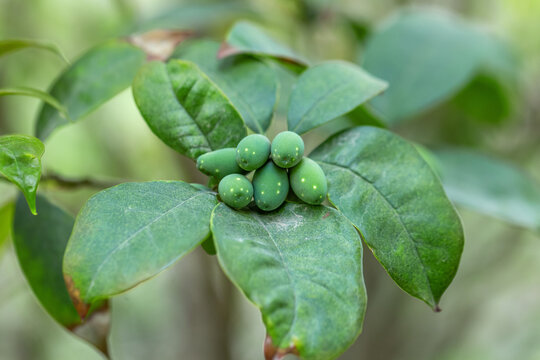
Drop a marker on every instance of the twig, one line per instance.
(73, 183)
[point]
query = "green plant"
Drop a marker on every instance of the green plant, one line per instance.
(300, 264)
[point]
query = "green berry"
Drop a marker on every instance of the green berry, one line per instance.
(219, 163)
(308, 181)
(287, 149)
(235, 190)
(270, 186)
(252, 152)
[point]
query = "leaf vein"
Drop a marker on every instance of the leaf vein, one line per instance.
(397, 215)
(132, 236)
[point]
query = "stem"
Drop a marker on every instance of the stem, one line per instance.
(72, 183)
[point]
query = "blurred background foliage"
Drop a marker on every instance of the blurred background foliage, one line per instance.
(492, 309)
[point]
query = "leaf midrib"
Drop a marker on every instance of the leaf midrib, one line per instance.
(395, 211)
(202, 134)
(285, 266)
(132, 236)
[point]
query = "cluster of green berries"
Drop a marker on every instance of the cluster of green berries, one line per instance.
(276, 165)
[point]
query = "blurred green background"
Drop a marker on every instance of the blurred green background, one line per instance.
(491, 310)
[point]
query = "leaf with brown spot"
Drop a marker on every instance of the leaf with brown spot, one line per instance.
(75, 295)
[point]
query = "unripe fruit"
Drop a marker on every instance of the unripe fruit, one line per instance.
(235, 190)
(308, 181)
(219, 163)
(287, 149)
(252, 152)
(270, 186)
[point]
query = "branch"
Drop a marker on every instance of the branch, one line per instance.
(73, 183)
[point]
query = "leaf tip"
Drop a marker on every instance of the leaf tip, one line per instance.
(31, 201)
(437, 309)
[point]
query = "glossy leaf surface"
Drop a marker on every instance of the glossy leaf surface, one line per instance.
(20, 163)
(185, 109)
(249, 84)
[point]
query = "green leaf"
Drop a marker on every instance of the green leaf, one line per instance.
(96, 77)
(484, 100)
(381, 183)
(248, 38)
(250, 84)
(327, 91)
(40, 242)
(129, 233)
(208, 246)
(46, 97)
(11, 45)
(6, 217)
(427, 56)
(489, 186)
(362, 115)
(20, 163)
(185, 109)
(301, 266)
